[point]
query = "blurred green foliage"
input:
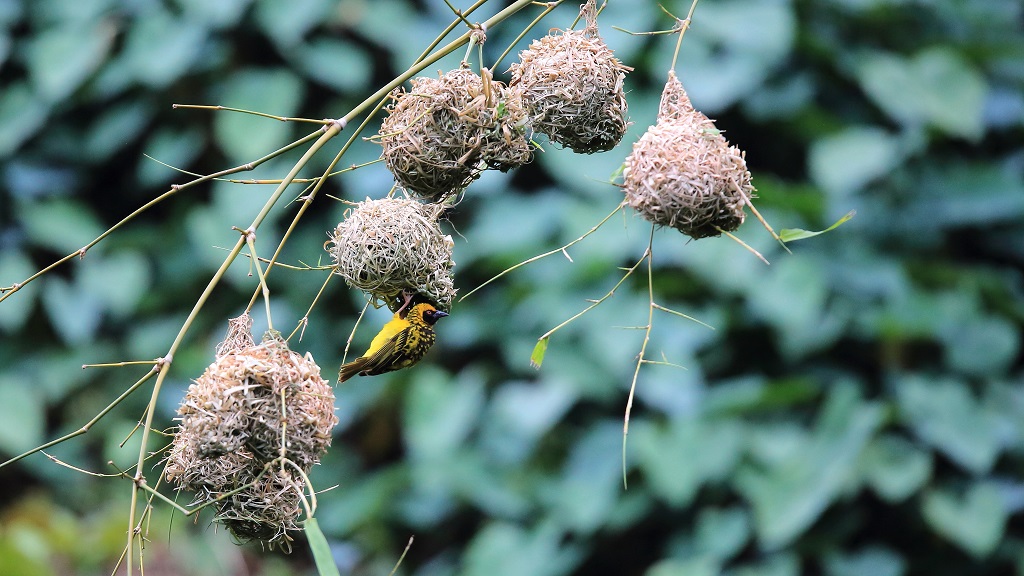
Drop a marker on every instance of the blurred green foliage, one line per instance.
(856, 410)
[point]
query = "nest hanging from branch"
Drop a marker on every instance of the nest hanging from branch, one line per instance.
(251, 410)
(387, 246)
(573, 87)
(441, 134)
(683, 173)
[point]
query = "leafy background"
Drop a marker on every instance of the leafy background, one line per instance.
(856, 410)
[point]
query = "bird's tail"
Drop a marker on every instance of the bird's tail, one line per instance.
(351, 369)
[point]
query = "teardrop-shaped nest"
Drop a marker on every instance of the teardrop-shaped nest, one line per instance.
(441, 134)
(387, 246)
(572, 84)
(683, 173)
(240, 414)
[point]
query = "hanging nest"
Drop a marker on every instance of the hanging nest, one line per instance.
(387, 246)
(249, 408)
(683, 173)
(440, 135)
(572, 86)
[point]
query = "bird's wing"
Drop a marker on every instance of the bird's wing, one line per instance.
(386, 357)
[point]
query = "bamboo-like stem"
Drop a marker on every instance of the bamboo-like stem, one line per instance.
(252, 112)
(328, 133)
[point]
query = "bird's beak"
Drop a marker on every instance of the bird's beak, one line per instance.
(440, 313)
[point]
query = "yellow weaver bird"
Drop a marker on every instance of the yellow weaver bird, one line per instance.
(400, 344)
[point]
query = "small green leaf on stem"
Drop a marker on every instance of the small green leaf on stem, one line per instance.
(537, 357)
(321, 550)
(791, 234)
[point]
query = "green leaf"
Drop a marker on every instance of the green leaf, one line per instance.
(343, 66)
(873, 560)
(722, 533)
(119, 281)
(974, 522)
(537, 357)
(161, 48)
(60, 59)
(936, 87)
(440, 412)
(274, 91)
(678, 459)
(895, 468)
(795, 490)
(320, 549)
(63, 225)
(791, 234)
(504, 549)
(944, 413)
(22, 114)
(690, 567)
(16, 267)
(75, 315)
(22, 419)
(843, 163)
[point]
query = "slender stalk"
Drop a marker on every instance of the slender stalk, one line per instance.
(649, 256)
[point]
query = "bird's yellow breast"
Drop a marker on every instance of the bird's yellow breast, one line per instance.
(389, 331)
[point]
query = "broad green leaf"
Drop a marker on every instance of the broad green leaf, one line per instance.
(936, 87)
(119, 281)
(220, 14)
(22, 114)
(788, 497)
(161, 48)
(440, 412)
(721, 533)
(63, 225)
(16, 267)
(689, 567)
(75, 315)
(288, 21)
(343, 66)
(974, 521)
(895, 468)
(505, 549)
(583, 498)
(873, 560)
(944, 413)
(537, 357)
(320, 548)
(115, 129)
(678, 459)
(60, 59)
(22, 416)
(845, 162)
(273, 91)
(791, 234)
(981, 345)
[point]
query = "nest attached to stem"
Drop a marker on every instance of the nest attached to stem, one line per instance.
(683, 173)
(440, 135)
(573, 88)
(252, 407)
(385, 246)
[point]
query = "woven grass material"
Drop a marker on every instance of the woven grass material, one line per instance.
(683, 173)
(440, 135)
(573, 88)
(385, 246)
(249, 407)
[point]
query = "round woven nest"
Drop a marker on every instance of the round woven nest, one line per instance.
(387, 246)
(441, 134)
(573, 88)
(249, 408)
(683, 173)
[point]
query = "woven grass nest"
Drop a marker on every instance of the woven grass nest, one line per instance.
(387, 246)
(441, 134)
(683, 173)
(234, 421)
(573, 88)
